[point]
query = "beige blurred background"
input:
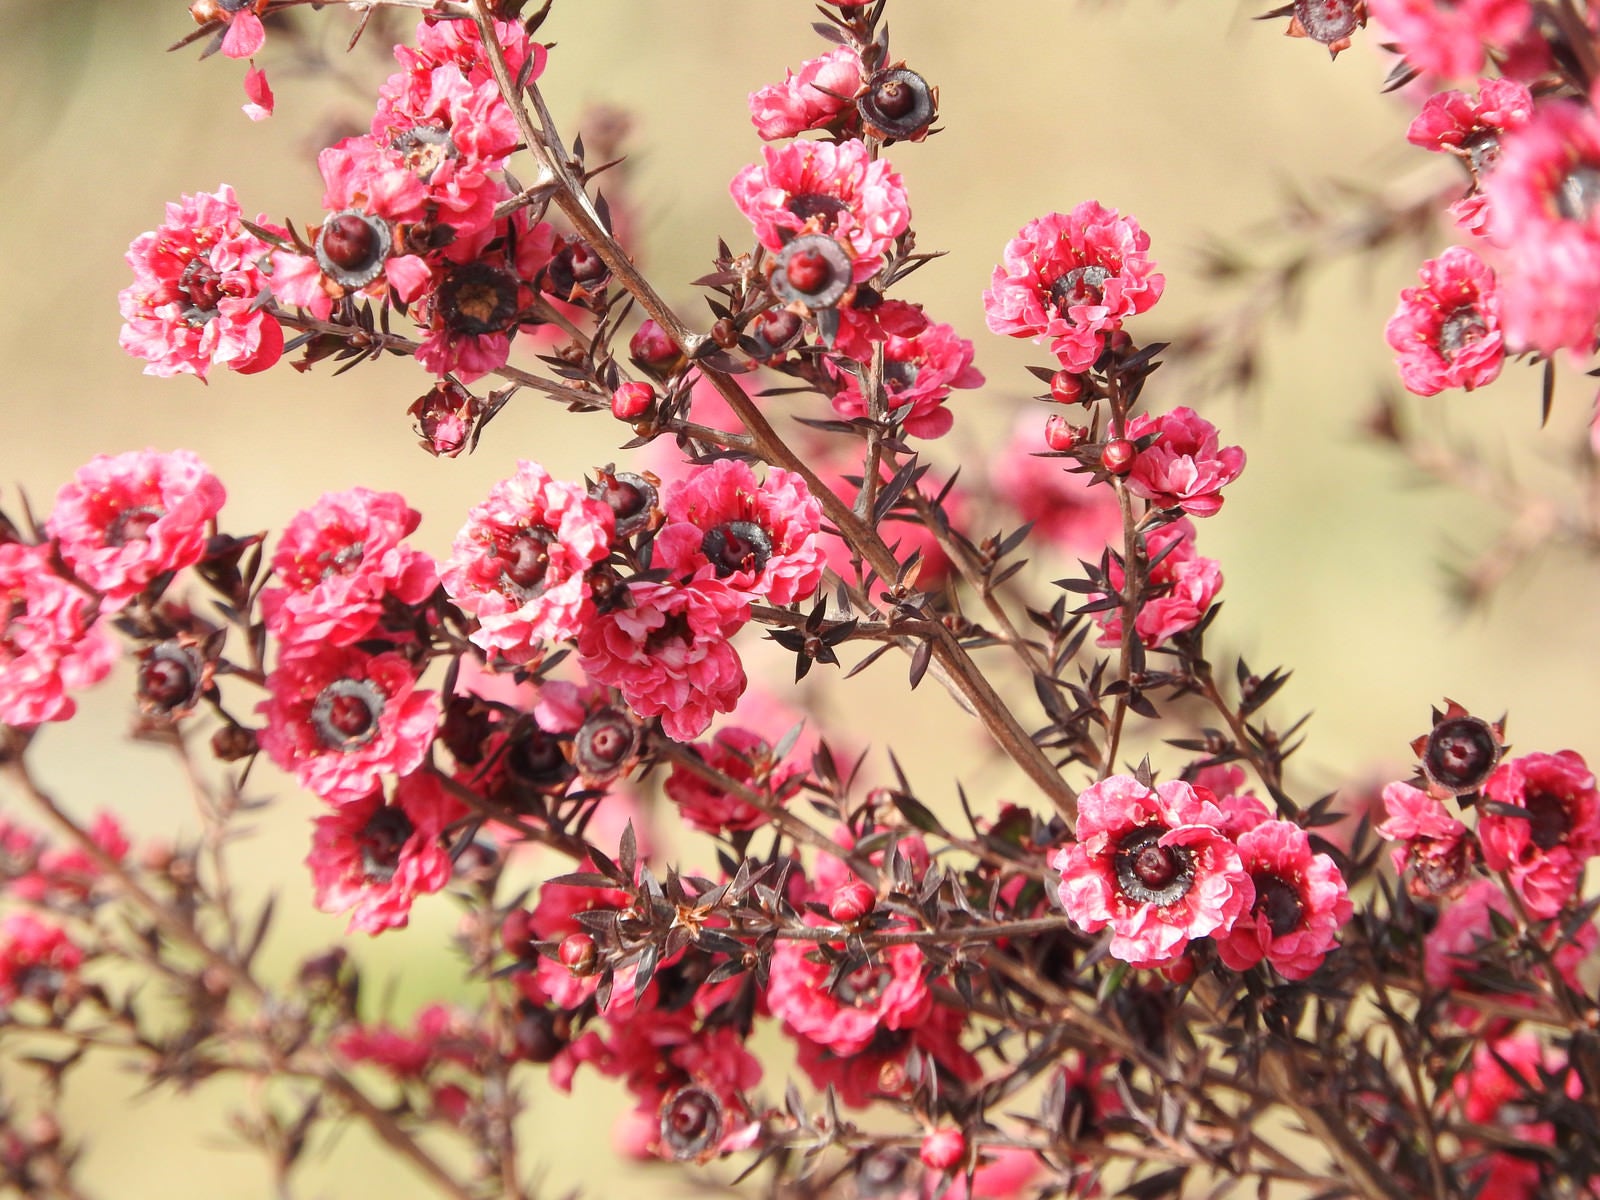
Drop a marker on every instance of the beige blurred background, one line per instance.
(1190, 116)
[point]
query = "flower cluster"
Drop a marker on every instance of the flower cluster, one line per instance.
(1165, 865)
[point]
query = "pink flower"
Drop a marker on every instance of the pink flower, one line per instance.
(339, 563)
(1183, 585)
(1183, 467)
(1542, 197)
(57, 877)
(48, 642)
(759, 538)
(1073, 515)
(836, 189)
(518, 563)
(459, 44)
(37, 960)
(243, 33)
(1455, 946)
(1469, 126)
(1072, 278)
(818, 96)
(341, 719)
(473, 307)
(194, 298)
(863, 326)
(1437, 847)
(668, 650)
(879, 1068)
(372, 859)
(552, 919)
(440, 1033)
(1152, 864)
(127, 519)
(887, 993)
(746, 757)
(918, 373)
(1545, 851)
(1446, 333)
(1502, 1084)
(259, 93)
(1301, 903)
(1447, 37)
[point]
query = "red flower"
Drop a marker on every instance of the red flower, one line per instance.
(1301, 903)
(822, 187)
(341, 719)
(197, 282)
(1184, 467)
(1183, 583)
(518, 565)
(48, 643)
(821, 95)
(1152, 864)
(1543, 200)
(1073, 278)
(746, 757)
(1437, 847)
(668, 651)
(339, 562)
(1545, 851)
(1446, 333)
(1447, 37)
(759, 538)
(36, 959)
(918, 374)
(372, 859)
(123, 521)
(889, 993)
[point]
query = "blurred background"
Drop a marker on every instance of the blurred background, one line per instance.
(1194, 118)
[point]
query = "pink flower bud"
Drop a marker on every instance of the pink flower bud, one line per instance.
(1066, 387)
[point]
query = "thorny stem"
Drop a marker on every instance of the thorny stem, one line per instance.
(969, 683)
(182, 930)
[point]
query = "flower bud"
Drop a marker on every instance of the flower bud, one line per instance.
(578, 954)
(943, 1149)
(1118, 455)
(632, 400)
(1066, 387)
(852, 902)
(1061, 434)
(654, 352)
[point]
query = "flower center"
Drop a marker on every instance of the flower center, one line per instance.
(478, 299)
(133, 524)
(900, 375)
(737, 546)
(1578, 192)
(424, 149)
(535, 759)
(1549, 821)
(345, 714)
(527, 560)
(674, 631)
(1081, 285)
(1279, 903)
(631, 498)
(352, 246)
(808, 271)
(1460, 329)
(1326, 21)
(894, 97)
(1150, 873)
(202, 284)
(812, 269)
(342, 561)
(863, 986)
(381, 842)
(807, 205)
(1483, 151)
(691, 1122)
(604, 743)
